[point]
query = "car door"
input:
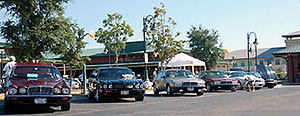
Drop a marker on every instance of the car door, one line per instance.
(161, 81)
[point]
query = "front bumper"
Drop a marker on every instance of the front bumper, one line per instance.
(223, 86)
(29, 99)
(117, 93)
(187, 89)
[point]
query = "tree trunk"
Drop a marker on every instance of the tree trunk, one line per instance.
(117, 58)
(71, 76)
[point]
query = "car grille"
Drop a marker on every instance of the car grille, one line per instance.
(40, 91)
(123, 86)
(258, 80)
(226, 82)
(190, 83)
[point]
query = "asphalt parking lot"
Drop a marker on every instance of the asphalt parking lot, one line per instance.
(278, 101)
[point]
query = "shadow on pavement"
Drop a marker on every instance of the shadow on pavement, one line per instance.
(84, 99)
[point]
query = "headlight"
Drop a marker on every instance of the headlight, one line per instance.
(110, 86)
(234, 82)
(217, 82)
(178, 83)
(66, 90)
(137, 86)
(22, 90)
(57, 90)
(105, 86)
(12, 91)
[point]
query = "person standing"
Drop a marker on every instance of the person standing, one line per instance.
(8, 66)
(154, 74)
(251, 81)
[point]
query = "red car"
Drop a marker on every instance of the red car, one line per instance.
(36, 83)
(218, 80)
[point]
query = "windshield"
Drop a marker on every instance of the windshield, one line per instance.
(36, 72)
(215, 74)
(115, 74)
(238, 74)
(179, 74)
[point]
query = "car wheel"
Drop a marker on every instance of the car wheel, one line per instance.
(169, 90)
(240, 86)
(66, 107)
(200, 93)
(209, 87)
(91, 95)
(8, 108)
(271, 86)
(233, 89)
(139, 98)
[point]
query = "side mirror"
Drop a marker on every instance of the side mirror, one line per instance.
(66, 77)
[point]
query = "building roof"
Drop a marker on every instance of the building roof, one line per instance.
(287, 50)
(242, 54)
(268, 53)
(293, 34)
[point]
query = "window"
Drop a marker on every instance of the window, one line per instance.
(235, 64)
(242, 63)
(277, 61)
(251, 63)
(261, 62)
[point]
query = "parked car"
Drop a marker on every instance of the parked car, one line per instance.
(241, 77)
(36, 84)
(259, 81)
(115, 82)
(217, 80)
(178, 81)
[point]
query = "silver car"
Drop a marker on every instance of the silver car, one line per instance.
(178, 81)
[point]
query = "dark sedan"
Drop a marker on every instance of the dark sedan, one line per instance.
(115, 82)
(218, 80)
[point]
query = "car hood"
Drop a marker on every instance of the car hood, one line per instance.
(121, 81)
(186, 80)
(35, 82)
(222, 79)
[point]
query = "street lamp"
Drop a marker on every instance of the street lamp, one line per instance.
(249, 49)
(145, 21)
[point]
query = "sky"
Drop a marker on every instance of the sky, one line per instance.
(233, 19)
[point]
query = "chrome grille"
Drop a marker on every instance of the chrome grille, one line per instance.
(40, 91)
(190, 83)
(226, 82)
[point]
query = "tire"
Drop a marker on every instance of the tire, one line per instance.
(139, 98)
(8, 107)
(90, 95)
(169, 90)
(66, 107)
(233, 89)
(240, 86)
(271, 86)
(200, 93)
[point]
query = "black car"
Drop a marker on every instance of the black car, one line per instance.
(115, 82)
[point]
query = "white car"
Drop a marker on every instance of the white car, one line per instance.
(241, 77)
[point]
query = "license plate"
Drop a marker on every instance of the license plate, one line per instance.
(40, 100)
(190, 89)
(124, 92)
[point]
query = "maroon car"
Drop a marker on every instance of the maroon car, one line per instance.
(218, 80)
(38, 84)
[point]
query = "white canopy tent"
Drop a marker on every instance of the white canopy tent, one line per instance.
(184, 60)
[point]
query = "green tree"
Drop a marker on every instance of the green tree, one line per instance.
(114, 34)
(163, 40)
(205, 45)
(35, 27)
(75, 45)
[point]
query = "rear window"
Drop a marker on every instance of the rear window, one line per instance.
(35, 72)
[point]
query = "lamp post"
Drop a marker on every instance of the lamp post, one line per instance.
(255, 45)
(150, 17)
(249, 48)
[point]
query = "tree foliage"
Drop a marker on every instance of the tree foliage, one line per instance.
(114, 33)
(35, 28)
(205, 45)
(163, 40)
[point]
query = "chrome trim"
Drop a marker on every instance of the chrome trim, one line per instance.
(40, 87)
(52, 96)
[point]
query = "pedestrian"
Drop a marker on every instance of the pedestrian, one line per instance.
(81, 79)
(154, 74)
(250, 81)
(8, 66)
